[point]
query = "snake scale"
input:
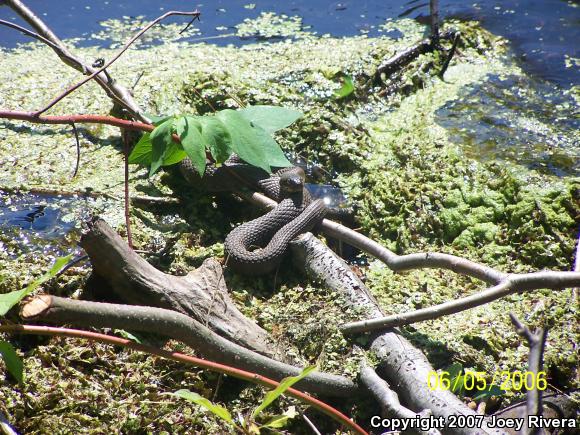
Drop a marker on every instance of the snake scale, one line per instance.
(258, 246)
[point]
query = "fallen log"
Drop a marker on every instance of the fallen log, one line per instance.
(202, 294)
(404, 367)
(183, 328)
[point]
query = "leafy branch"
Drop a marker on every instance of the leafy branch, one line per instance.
(245, 132)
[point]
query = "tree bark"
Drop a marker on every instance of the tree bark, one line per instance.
(403, 366)
(202, 294)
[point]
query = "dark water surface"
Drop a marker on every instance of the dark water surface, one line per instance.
(542, 33)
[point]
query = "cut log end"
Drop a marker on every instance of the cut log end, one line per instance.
(36, 307)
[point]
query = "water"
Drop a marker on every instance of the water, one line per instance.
(490, 121)
(542, 33)
(32, 221)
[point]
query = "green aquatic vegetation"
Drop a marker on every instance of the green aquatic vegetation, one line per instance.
(118, 31)
(250, 425)
(269, 25)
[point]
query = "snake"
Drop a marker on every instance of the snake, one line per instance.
(257, 247)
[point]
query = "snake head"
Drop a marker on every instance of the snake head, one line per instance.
(292, 180)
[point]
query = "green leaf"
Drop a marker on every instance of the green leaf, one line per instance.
(279, 421)
(346, 89)
(454, 370)
(252, 143)
(270, 118)
(280, 389)
(494, 390)
(141, 154)
(12, 360)
(161, 140)
(188, 130)
(156, 120)
(8, 300)
(217, 410)
(127, 335)
(173, 154)
(216, 138)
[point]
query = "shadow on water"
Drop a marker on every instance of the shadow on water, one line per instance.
(31, 222)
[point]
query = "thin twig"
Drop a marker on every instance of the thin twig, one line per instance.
(311, 425)
(139, 199)
(29, 33)
(514, 284)
(71, 89)
(126, 150)
(536, 342)
(577, 259)
(449, 55)
(197, 362)
(434, 9)
(71, 263)
(113, 89)
(137, 80)
(78, 144)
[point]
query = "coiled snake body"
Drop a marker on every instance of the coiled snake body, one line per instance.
(258, 246)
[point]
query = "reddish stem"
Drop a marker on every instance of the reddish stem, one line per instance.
(197, 362)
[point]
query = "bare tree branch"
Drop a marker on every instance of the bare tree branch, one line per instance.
(126, 152)
(449, 55)
(180, 327)
(197, 362)
(536, 342)
(29, 33)
(397, 263)
(434, 9)
(102, 69)
(114, 90)
(514, 283)
(389, 400)
(78, 146)
(138, 199)
(406, 56)
(403, 365)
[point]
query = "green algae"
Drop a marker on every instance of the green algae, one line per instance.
(415, 187)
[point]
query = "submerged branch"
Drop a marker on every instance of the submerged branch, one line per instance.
(405, 57)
